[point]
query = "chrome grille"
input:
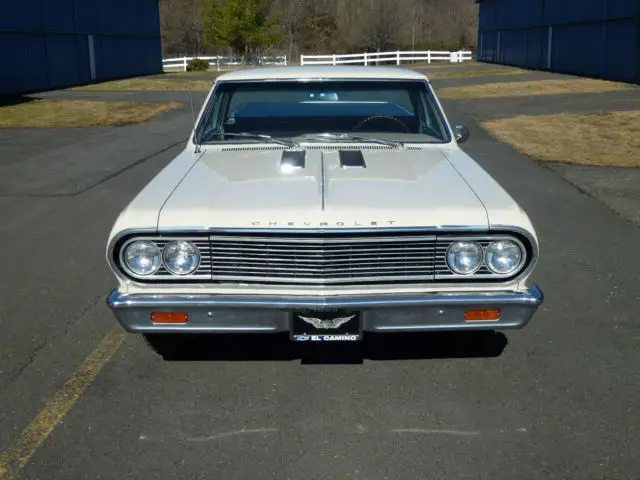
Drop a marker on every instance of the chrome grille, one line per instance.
(317, 259)
(321, 260)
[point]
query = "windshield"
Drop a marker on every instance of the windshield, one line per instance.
(390, 110)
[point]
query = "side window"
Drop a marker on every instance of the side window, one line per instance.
(211, 122)
(433, 124)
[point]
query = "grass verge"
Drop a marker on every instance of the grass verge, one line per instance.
(155, 84)
(537, 87)
(439, 64)
(79, 113)
(606, 139)
(476, 73)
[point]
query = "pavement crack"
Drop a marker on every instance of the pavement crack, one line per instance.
(62, 333)
(98, 182)
(128, 167)
(30, 360)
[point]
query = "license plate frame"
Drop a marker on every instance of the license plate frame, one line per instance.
(348, 331)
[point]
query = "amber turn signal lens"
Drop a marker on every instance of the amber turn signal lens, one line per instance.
(169, 317)
(481, 315)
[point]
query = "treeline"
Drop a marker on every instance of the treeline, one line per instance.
(295, 27)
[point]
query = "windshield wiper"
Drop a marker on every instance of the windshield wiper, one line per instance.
(260, 136)
(358, 138)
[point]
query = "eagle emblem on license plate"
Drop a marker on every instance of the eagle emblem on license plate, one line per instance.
(326, 323)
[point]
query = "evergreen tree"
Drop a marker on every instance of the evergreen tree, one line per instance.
(240, 24)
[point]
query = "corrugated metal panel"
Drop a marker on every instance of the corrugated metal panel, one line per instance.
(62, 60)
(27, 55)
(489, 42)
(637, 60)
(131, 18)
(486, 16)
(598, 38)
(585, 60)
(514, 47)
(536, 48)
(46, 41)
(82, 49)
(142, 56)
(24, 15)
(524, 13)
(59, 16)
(564, 11)
(623, 8)
(618, 50)
(88, 15)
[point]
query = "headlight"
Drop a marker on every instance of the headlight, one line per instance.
(503, 257)
(181, 257)
(142, 257)
(464, 258)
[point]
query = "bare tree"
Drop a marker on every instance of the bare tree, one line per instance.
(383, 25)
(181, 26)
(337, 26)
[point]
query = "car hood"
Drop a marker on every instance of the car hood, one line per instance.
(249, 189)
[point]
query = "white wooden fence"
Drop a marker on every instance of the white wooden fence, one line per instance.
(385, 57)
(180, 63)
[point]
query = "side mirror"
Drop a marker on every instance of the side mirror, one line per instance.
(462, 133)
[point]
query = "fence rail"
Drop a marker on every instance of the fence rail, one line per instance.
(180, 63)
(375, 58)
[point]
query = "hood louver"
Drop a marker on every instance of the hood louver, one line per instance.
(292, 160)
(351, 159)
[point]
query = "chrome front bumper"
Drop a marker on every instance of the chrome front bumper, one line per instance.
(268, 314)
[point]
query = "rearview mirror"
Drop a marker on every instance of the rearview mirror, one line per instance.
(462, 133)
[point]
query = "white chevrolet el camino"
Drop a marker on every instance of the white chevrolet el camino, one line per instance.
(323, 202)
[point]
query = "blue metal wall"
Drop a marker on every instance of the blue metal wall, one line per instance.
(46, 44)
(599, 38)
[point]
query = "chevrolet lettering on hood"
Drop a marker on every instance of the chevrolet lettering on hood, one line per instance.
(372, 223)
(324, 202)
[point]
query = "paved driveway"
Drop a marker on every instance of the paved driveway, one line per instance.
(556, 400)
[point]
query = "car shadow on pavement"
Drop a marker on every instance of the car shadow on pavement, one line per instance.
(9, 100)
(375, 346)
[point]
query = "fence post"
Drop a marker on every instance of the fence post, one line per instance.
(285, 60)
(398, 57)
(334, 60)
(429, 56)
(302, 60)
(365, 59)
(184, 60)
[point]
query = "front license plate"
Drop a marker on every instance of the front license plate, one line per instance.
(329, 326)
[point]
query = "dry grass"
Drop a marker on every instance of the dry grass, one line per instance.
(440, 64)
(610, 139)
(212, 73)
(480, 72)
(79, 113)
(151, 83)
(538, 87)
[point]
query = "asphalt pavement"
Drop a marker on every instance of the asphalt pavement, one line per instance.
(557, 400)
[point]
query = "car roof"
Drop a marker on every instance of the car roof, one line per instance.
(322, 72)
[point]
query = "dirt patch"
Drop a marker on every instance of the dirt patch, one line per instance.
(537, 87)
(606, 139)
(80, 113)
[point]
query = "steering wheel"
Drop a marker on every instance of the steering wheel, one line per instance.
(383, 117)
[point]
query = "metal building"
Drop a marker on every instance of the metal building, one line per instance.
(46, 44)
(598, 38)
